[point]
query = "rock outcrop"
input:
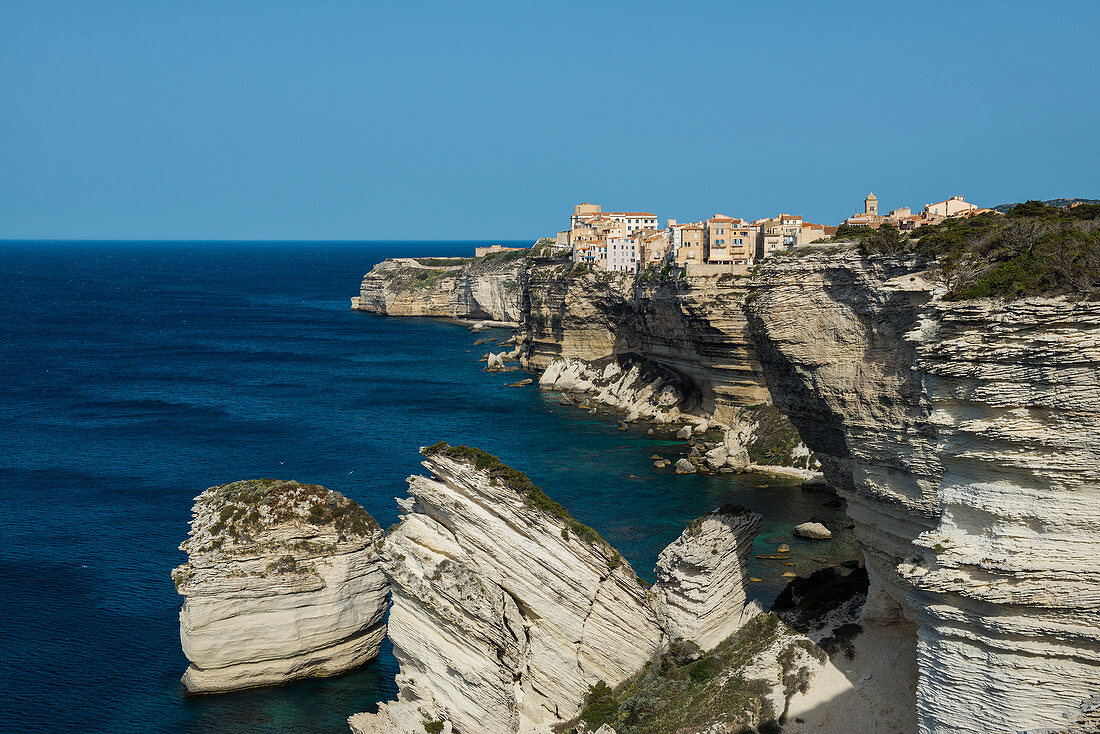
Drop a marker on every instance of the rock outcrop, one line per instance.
(282, 581)
(812, 531)
(505, 608)
(699, 595)
(965, 437)
(461, 288)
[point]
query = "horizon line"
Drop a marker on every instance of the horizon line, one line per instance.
(250, 241)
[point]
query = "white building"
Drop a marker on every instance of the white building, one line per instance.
(632, 221)
(622, 254)
(952, 207)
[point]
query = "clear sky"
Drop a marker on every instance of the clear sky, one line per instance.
(467, 120)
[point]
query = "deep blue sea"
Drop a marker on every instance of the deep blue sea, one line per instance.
(135, 375)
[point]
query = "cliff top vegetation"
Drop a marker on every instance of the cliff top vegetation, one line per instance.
(531, 493)
(1033, 250)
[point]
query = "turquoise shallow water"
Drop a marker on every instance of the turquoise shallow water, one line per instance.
(135, 375)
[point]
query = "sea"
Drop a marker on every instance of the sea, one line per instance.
(133, 375)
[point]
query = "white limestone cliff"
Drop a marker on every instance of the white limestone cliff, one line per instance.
(965, 437)
(481, 288)
(282, 581)
(505, 609)
(699, 595)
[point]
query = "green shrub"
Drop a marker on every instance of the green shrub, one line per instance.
(600, 706)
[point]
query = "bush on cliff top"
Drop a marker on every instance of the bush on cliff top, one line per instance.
(498, 471)
(1033, 250)
(686, 690)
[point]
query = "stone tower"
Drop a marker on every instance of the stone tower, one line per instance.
(870, 205)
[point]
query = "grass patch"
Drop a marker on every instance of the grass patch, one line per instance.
(443, 262)
(248, 505)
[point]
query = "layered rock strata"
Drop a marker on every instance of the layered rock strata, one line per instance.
(484, 289)
(505, 609)
(831, 336)
(965, 438)
(1008, 583)
(692, 328)
(699, 595)
(282, 581)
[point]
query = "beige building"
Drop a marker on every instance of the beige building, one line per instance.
(870, 205)
(583, 210)
(655, 247)
(688, 242)
(728, 241)
(777, 234)
(956, 206)
(810, 232)
(631, 221)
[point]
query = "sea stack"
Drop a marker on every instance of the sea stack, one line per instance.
(505, 608)
(699, 596)
(282, 581)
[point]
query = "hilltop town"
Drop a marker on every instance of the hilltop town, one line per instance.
(631, 241)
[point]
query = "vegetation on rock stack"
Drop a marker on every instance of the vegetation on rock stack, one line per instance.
(247, 506)
(1033, 250)
(532, 494)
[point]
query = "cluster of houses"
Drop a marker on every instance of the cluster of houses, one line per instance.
(904, 219)
(631, 241)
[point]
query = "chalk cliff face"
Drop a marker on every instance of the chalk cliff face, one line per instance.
(700, 591)
(480, 289)
(505, 609)
(693, 328)
(282, 581)
(1008, 585)
(966, 439)
(831, 336)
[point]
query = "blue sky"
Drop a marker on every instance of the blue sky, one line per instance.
(421, 120)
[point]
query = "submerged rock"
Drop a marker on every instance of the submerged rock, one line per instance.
(282, 581)
(700, 591)
(505, 609)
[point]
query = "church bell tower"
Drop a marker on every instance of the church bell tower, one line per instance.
(870, 205)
